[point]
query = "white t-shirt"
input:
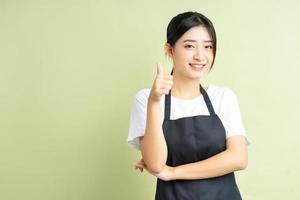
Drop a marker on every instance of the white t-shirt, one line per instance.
(223, 99)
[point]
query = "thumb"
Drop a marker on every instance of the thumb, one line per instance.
(160, 70)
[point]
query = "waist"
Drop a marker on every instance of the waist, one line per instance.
(222, 187)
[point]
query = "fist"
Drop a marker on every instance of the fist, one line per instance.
(161, 85)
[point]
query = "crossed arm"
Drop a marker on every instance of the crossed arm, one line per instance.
(234, 158)
(154, 154)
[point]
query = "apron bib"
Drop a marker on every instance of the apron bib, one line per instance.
(192, 139)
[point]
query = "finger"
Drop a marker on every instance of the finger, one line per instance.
(163, 78)
(165, 91)
(139, 162)
(168, 77)
(164, 83)
(166, 86)
(140, 168)
(159, 69)
(140, 165)
(167, 82)
(136, 166)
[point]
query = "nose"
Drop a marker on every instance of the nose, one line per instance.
(199, 54)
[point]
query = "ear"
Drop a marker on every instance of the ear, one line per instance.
(168, 50)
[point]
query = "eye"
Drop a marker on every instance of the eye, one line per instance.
(209, 46)
(189, 46)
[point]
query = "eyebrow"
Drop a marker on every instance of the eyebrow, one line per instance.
(188, 40)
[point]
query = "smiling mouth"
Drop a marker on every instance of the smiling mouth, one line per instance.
(197, 67)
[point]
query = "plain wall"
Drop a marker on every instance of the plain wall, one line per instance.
(69, 70)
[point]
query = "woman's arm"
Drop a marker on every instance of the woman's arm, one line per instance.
(153, 144)
(234, 158)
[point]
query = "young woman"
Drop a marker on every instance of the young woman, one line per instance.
(191, 138)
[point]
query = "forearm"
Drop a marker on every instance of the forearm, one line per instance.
(153, 144)
(218, 165)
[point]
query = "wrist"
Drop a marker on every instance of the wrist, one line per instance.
(154, 98)
(153, 102)
(173, 173)
(176, 172)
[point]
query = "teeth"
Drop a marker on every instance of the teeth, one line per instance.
(196, 66)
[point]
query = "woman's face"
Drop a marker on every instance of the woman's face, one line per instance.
(193, 53)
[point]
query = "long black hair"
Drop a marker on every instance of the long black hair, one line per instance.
(183, 22)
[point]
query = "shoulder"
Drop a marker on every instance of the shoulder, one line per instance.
(142, 94)
(217, 91)
(141, 97)
(222, 97)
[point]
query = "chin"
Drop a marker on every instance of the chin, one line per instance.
(195, 75)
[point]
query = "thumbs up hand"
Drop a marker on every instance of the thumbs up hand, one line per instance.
(161, 85)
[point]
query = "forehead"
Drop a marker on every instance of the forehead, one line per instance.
(198, 33)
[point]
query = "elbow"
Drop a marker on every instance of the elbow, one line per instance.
(154, 163)
(241, 164)
(155, 168)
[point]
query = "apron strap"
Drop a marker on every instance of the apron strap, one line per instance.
(207, 101)
(167, 105)
(205, 96)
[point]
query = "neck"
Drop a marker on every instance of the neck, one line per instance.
(185, 88)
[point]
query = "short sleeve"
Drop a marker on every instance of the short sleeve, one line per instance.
(231, 116)
(137, 123)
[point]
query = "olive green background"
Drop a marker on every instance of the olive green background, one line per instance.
(69, 70)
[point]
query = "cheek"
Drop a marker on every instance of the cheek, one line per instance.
(210, 56)
(181, 56)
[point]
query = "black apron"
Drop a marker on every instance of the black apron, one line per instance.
(192, 139)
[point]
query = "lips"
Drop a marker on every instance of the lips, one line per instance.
(196, 66)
